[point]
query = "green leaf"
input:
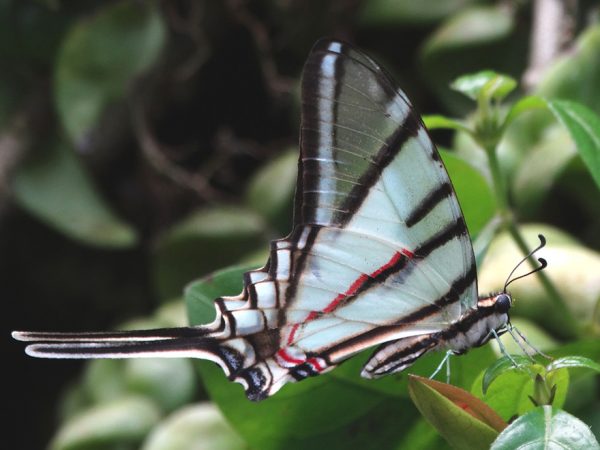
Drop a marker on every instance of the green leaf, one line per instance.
(99, 57)
(476, 198)
(435, 121)
(422, 436)
(584, 126)
(498, 87)
(54, 187)
(572, 362)
(486, 84)
(207, 240)
(545, 428)
(463, 420)
(282, 421)
(275, 204)
(471, 25)
(529, 103)
(541, 167)
(170, 382)
(104, 380)
(502, 366)
(200, 426)
(575, 75)
(200, 295)
(582, 379)
(584, 348)
(346, 415)
(125, 421)
(73, 401)
(508, 395)
(507, 389)
(472, 38)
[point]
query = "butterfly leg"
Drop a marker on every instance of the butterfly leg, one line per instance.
(503, 348)
(445, 361)
(515, 333)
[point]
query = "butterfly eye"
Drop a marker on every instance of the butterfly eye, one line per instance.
(503, 303)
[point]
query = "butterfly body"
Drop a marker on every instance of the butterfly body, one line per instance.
(379, 253)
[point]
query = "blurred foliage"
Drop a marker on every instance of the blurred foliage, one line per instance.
(543, 427)
(144, 145)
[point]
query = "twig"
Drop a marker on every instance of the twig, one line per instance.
(155, 154)
(276, 83)
(190, 25)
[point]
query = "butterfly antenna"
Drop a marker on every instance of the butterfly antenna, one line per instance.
(542, 261)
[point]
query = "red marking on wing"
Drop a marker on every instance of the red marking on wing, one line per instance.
(313, 362)
(354, 287)
(283, 354)
(287, 358)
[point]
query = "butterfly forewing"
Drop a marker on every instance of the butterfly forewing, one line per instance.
(374, 186)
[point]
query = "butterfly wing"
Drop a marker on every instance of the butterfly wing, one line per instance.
(372, 186)
(379, 251)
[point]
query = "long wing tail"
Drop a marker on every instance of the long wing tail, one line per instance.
(189, 342)
(236, 356)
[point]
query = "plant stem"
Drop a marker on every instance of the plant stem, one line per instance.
(499, 185)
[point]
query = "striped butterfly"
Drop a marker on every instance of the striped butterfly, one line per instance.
(379, 253)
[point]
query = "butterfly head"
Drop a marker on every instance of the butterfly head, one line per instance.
(499, 303)
(503, 302)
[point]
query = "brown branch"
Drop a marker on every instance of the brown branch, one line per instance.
(190, 25)
(276, 83)
(154, 152)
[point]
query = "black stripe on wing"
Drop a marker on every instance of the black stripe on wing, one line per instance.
(321, 100)
(297, 265)
(405, 352)
(439, 194)
(383, 158)
(340, 351)
(458, 228)
(458, 287)
(404, 267)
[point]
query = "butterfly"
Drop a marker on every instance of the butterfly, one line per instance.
(379, 254)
